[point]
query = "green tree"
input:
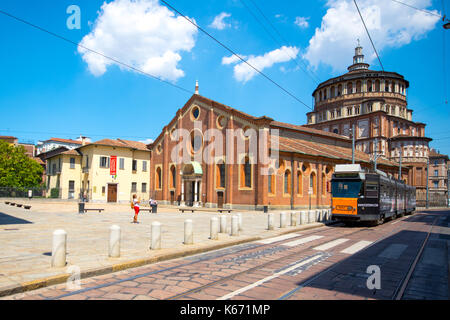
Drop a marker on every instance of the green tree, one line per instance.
(17, 170)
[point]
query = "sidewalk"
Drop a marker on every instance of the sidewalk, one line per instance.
(26, 238)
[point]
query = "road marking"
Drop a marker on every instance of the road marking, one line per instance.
(280, 238)
(301, 241)
(275, 275)
(394, 251)
(330, 244)
(356, 247)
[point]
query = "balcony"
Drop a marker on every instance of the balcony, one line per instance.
(85, 169)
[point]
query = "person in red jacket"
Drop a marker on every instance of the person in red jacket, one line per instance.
(136, 208)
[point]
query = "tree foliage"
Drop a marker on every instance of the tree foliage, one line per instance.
(17, 170)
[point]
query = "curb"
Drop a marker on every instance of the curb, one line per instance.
(179, 253)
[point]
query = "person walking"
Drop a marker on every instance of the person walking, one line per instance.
(136, 208)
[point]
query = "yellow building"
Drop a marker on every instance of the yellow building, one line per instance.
(103, 171)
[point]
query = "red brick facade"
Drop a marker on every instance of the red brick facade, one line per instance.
(212, 178)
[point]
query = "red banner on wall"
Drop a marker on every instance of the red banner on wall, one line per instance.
(113, 166)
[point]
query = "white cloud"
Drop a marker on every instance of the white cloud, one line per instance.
(140, 33)
(232, 59)
(302, 22)
(244, 73)
(219, 22)
(147, 141)
(390, 25)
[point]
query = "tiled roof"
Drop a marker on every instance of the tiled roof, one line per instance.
(434, 154)
(308, 130)
(135, 144)
(324, 150)
(7, 137)
(71, 153)
(121, 143)
(65, 140)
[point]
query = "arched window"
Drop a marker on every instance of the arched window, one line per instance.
(332, 92)
(377, 86)
(272, 179)
(220, 175)
(246, 173)
(339, 90)
(358, 86)
(158, 178)
(312, 183)
(349, 88)
(299, 183)
(324, 184)
(369, 86)
(287, 182)
(173, 177)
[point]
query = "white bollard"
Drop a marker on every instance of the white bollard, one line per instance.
(59, 248)
(235, 226)
(293, 218)
(156, 236)
(214, 234)
(270, 222)
(240, 221)
(223, 224)
(283, 220)
(312, 216)
(303, 217)
(114, 241)
(330, 218)
(319, 215)
(188, 232)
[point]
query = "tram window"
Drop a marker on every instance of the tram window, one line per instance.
(346, 189)
(371, 191)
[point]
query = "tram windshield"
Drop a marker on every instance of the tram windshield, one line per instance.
(346, 188)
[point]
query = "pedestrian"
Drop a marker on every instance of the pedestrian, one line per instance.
(136, 208)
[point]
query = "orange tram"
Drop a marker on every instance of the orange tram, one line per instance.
(369, 196)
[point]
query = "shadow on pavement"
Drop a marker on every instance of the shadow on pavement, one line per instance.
(6, 219)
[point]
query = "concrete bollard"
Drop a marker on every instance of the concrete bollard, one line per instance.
(293, 218)
(330, 218)
(188, 232)
(270, 222)
(156, 236)
(114, 241)
(283, 219)
(312, 216)
(59, 248)
(223, 224)
(214, 234)
(240, 221)
(319, 215)
(303, 217)
(234, 226)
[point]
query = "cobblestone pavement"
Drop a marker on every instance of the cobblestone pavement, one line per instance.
(26, 236)
(330, 262)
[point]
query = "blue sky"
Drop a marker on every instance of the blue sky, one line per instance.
(49, 88)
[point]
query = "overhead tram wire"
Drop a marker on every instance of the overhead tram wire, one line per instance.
(276, 40)
(93, 51)
(444, 64)
(281, 36)
(370, 38)
(235, 54)
(418, 9)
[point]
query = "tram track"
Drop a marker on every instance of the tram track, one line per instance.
(396, 229)
(231, 277)
(226, 253)
(189, 264)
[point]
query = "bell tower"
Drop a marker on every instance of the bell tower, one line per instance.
(358, 60)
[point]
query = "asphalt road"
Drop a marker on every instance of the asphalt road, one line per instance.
(406, 258)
